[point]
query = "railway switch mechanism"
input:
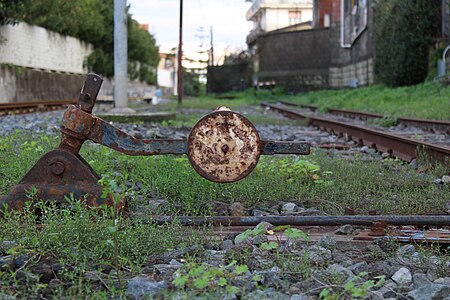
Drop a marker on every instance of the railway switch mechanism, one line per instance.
(223, 146)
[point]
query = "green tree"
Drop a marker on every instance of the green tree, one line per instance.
(404, 31)
(10, 11)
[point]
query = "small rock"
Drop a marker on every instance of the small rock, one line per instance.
(406, 251)
(345, 230)
(227, 245)
(155, 204)
(438, 181)
(236, 209)
(220, 208)
(258, 240)
(446, 179)
(385, 155)
(6, 262)
(166, 269)
(21, 259)
(139, 287)
(338, 269)
(288, 208)
(359, 268)
(327, 242)
(419, 280)
(259, 213)
(402, 276)
(430, 292)
(299, 297)
(414, 164)
(265, 225)
(381, 268)
(268, 294)
(95, 276)
(27, 276)
(376, 250)
(318, 255)
(443, 281)
(5, 246)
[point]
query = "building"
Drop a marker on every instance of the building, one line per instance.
(167, 72)
(269, 15)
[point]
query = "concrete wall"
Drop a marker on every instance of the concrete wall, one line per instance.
(41, 65)
(295, 59)
(314, 59)
(35, 47)
(27, 85)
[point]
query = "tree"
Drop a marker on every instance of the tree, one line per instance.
(404, 31)
(10, 11)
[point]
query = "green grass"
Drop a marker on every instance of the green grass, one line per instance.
(318, 180)
(429, 100)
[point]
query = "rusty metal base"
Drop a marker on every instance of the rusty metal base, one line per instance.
(55, 176)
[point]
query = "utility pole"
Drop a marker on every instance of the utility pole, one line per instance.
(212, 45)
(180, 55)
(120, 57)
(210, 77)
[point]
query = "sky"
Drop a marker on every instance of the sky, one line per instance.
(227, 18)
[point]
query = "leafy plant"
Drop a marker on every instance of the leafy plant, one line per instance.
(352, 288)
(200, 278)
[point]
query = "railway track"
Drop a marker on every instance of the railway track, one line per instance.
(395, 144)
(28, 107)
(430, 125)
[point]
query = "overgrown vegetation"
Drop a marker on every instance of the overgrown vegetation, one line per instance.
(320, 181)
(429, 100)
(91, 21)
(404, 31)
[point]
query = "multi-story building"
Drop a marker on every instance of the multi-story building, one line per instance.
(269, 15)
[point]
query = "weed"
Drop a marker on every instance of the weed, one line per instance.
(201, 279)
(352, 289)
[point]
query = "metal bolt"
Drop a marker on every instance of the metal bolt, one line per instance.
(57, 168)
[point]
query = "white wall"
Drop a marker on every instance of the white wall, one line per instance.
(165, 78)
(36, 47)
(276, 18)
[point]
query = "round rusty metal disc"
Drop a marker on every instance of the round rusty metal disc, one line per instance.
(223, 146)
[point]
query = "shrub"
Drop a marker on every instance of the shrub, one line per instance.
(403, 33)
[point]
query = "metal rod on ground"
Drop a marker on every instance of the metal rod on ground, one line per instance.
(419, 220)
(180, 57)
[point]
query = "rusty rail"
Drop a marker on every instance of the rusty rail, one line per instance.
(403, 148)
(419, 220)
(27, 107)
(431, 125)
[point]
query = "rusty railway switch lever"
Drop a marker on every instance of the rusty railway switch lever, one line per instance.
(222, 147)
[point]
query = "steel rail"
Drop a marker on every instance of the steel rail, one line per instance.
(418, 220)
(25, 107)
(403, 148)
(435, 125)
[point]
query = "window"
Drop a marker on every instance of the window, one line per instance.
(295, 17)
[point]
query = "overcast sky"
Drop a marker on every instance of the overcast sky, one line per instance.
(227, 17)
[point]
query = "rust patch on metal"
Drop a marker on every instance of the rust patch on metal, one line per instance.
(223, 146)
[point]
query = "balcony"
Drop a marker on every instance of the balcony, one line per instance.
(258, 4)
